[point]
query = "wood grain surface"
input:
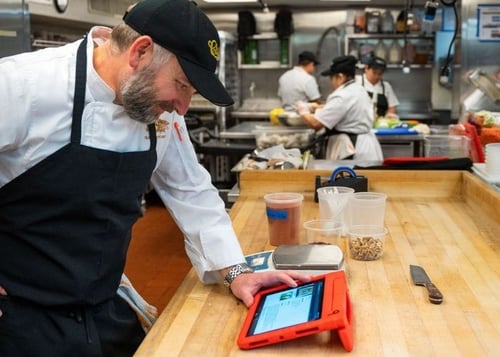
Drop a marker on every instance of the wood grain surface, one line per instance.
(445, 221)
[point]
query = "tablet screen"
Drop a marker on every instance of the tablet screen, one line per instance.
(288, 307)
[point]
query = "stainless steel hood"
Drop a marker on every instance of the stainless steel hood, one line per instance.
(309, 4)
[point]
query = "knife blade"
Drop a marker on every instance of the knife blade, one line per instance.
(420, 277)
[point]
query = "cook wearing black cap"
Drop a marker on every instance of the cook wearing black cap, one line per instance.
(84, 128)
(347, 116)
(383, 97)
(298, 85)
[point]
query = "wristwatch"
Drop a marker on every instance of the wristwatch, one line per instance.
(235, 271)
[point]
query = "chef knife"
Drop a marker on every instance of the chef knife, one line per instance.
(420, 277)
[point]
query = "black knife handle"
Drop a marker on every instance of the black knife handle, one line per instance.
(435, 295)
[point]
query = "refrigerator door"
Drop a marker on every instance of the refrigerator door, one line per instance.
(14, 27)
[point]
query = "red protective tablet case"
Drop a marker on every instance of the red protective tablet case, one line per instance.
(336, 315)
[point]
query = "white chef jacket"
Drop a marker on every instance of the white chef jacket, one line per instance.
(349, 109)
(37, 90)
(392, 100)
(297, 85)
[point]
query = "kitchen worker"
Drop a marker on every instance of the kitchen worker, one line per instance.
(298, 84)
(383, 97)
(346, 117)
(83, 129)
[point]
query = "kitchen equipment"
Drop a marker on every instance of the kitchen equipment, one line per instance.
(14, 27)
(308, 257)
(420, 277)
(452, 146)
(485, 83)
(291, 119)
(289, 137)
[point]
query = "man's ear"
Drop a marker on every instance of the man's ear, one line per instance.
(141, 52)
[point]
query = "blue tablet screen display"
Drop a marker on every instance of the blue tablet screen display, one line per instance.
(288, 307)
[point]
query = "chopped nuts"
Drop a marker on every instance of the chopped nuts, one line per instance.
(366, 248)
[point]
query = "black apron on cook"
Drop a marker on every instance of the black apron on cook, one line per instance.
(334, 131)
(382, 102)
(65, 224)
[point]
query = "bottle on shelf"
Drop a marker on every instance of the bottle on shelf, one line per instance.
(387, 22)
(381, 50)
(408, 52)
(401, 22)
(395, 53)
(414, 22)
(359, 22)
(251, 52)
(373, 21)
(284, 51)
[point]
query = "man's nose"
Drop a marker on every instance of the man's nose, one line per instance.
(182, 104)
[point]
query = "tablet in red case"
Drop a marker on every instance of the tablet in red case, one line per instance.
(282, 313)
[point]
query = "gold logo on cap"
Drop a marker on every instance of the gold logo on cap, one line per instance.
(213, 46)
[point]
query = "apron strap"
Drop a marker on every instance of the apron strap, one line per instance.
(79, 100)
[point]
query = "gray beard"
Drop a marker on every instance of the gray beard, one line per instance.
(138, 96)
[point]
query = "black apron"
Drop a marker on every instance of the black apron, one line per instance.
(382, 102)
(334, 131)
(65, 227)
(65, 224)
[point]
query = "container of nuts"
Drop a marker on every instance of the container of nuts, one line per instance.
(366, 242)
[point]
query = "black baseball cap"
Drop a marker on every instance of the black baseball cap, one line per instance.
(342, 64)
(376, 63)
(183, 29)
(307, 56)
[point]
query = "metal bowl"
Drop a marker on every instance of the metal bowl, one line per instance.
(291, 119)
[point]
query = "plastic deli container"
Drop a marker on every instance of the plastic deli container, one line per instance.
(451, 146)
(288, 137)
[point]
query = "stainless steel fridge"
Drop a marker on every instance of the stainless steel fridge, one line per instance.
(14, 27)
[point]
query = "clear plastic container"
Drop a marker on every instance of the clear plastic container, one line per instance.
(366, 242)
(451, 146)
(367, 208)
(288, 137)
(284, 217)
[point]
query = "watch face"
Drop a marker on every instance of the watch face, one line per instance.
(61, 5)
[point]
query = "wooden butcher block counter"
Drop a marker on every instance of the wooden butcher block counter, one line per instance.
(446, 221)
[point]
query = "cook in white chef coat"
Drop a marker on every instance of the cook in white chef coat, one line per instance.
(347, 116)
(383, 97)
(83, 129)
(299, 84)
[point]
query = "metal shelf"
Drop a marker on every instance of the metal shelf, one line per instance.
(394, 36)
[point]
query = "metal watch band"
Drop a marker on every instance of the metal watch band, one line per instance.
(235, 271)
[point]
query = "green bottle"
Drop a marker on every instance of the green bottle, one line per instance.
(284, 58)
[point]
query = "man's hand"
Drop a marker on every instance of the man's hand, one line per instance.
(245, 286)
(2, 292)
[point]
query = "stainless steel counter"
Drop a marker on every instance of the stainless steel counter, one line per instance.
(244, 131)
(256, 108)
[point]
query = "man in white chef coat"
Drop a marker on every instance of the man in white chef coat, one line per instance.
(299, 84)
(83, 129)
(383, 97)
